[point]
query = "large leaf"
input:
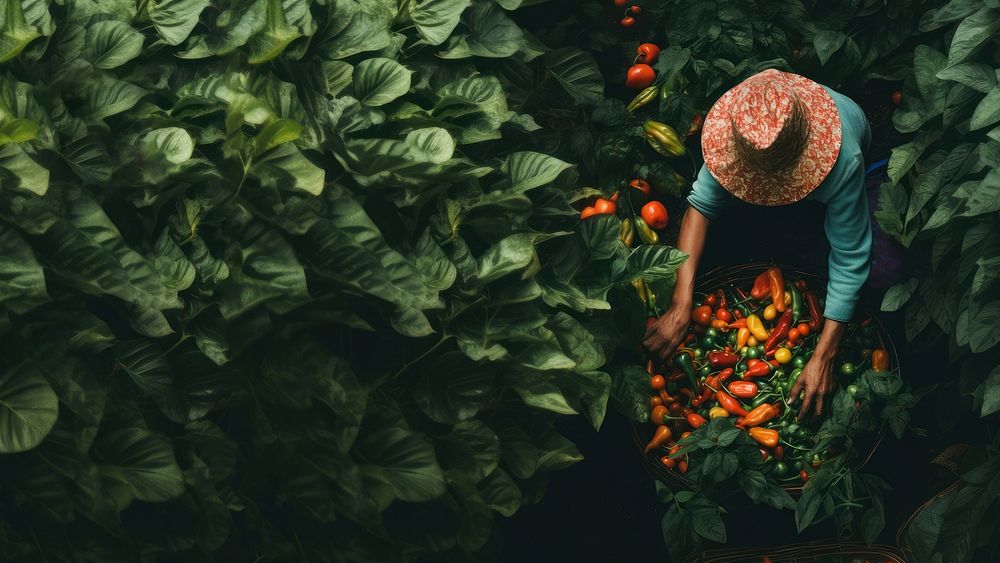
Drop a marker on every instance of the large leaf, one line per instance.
(113, 43)
(28, 409)
(436, 19)
(143, 461)
(972, 32)
(22, 281)
(380, 81)
(175, 19)
(404, 460)
(491, 34)
(577, 71)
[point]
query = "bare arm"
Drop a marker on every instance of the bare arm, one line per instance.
(667, 333)
(817, 377)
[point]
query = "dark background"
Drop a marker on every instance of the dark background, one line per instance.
(605, 508)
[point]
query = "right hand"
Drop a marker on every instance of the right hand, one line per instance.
(668, 332)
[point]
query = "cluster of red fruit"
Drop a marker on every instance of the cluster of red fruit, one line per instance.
(641, 74)
(630, 13)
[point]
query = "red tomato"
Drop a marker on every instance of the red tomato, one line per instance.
(655, 215)
(621, 3)
(702, 315)
(804, 475)
(654, 401)
(587, 212)
(657, 382)
(628, 21)
(647, 52)
(796, 53)
(724, 315)
(711, 300)
(803, 329)
(897, 98)
(668, 461)
(605, 207)
(641, 185)
(634, 10)
(639, 76)
(794, 335)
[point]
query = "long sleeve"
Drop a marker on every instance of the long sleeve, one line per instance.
(707, 195)
(848, 227)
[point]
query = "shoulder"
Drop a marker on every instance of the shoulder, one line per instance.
(853, 122)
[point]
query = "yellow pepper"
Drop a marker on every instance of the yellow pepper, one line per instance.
(717, 412)
(757, 328)
(752, 341)
(770, 312)
(742, 336)
(643, 98)
(627, 233)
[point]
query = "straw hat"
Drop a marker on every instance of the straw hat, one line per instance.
(773, 138)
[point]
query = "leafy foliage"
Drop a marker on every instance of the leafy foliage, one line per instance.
(289, 280)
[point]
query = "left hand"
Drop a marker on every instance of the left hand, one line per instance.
(818, 381)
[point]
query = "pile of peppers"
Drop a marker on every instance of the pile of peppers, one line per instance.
(742, 356)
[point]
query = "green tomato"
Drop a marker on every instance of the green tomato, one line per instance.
(781, 469)
(847, 368)
(744, 351)
(752, 352)
(697, 353)
(711, 332)
(798, 465)
(803, 432)
(852, 389)
(705, 370)
(798, 362)
(708, 342)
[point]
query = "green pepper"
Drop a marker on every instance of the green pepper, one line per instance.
(781, 469)
(798, 362)
(647, 234)
(763, 398)
(708, 342)
(731, 338)
(705, 370)
(796, 302)
(852, 389)
(684, 361)
(793, 377)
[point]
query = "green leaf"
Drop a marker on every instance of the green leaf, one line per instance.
(28, 409)
(142, 460)
(107, 96)
(267, 272)
(979, 197)
(653, 263)
(827, 43)
(991, 393)
(898, 295)
(378, 81)
(971, 33)
(512, 254)
(15, 33)
(988, 111)
(435, 20)
(501, 493)
(404, 460)
(529, 170)
(491, 34)
(175, 19)
(275, 36)
(578, 74)
(950, 12)
(433, 144)
(22, 281)
(984, 327)
(286, 166)
(452, 388)
(600, 236)
(28, 174)
(629, 392)
(978, 76)
(112, 43)
(905, 156)
(708, 524)
(173, 144)
(471, 451)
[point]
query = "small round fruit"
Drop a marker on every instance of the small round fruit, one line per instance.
(647, 52)
(799, 362)
(794, 335)
(752, 341)
(770, 312)
(657, 382)
(804, 475)
(803, 329)
(781, 469)
(627, 21)
(852, 389)
(847, 368)
(897, 98)
(587, 212)
(702, 315)
(621, 3)
(634, 10)
(655, 215)
(640, 75)
(783, 355)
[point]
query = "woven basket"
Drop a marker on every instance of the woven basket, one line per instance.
(804, 553)
(743, 276)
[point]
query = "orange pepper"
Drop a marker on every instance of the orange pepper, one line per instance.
(777, 288)
(661, 436)
(880, 360)
(767, 437)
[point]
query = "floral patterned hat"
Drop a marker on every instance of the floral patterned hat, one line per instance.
(773, 138)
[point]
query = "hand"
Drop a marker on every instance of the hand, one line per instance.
(667, 333)
(817, 380)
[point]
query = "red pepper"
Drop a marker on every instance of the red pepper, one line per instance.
(730, 404)
(720, 359)
(800, 285)
(880, 360)
(777, 288)
(759, 415)
(759, 369)
(761, 286)
(743, 389)
(815, 315)
(738, 323)
(719, 324)
(695, 420)
(723, 304)
(780, 331)
(724, 374)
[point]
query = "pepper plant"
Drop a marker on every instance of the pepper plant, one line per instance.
(291, 280)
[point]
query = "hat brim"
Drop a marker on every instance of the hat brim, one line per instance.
(785, 186)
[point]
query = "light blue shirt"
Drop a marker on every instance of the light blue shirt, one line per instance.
(847, 225)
